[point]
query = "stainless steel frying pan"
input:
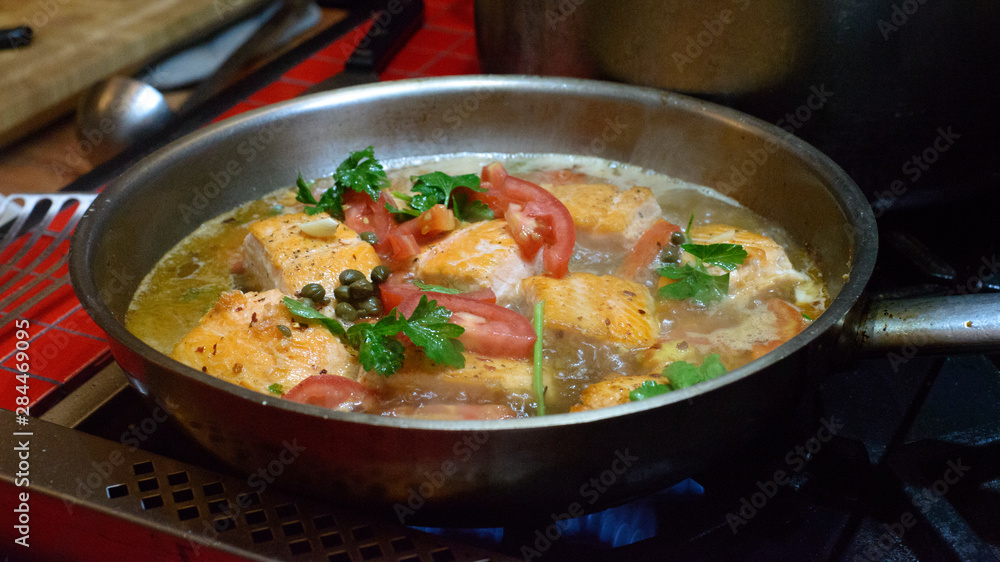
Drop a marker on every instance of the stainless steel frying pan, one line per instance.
(484, 472)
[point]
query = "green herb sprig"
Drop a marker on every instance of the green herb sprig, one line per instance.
(538, 321)
(435, 288)
(360, 172)
(436, 188)
(693, 281)
(428, 328)
(379, 349)
(680, 374)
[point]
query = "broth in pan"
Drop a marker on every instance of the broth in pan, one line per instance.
(478, 287)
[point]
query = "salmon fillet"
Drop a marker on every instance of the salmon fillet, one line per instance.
(278, 254)
(482, 380)
(477, 256)
(601, 308)
(613, 392)
(239, 341)
(606, 210)
(767, 265)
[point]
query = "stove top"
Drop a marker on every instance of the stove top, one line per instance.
(881, 462)
(894, 458)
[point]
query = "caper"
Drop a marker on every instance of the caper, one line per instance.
(342, 293)
(314, 292)
(361, 289)
(345, 311)
(381, 274)
(349, 276)
(285, 330)
(371, 306)
(369, 237)
(677, 238)
(670, 254)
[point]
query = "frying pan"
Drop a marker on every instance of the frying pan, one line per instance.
(473, 473)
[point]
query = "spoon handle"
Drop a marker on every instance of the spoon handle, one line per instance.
(260, 42)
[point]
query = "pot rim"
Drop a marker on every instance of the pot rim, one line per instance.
(857, 214)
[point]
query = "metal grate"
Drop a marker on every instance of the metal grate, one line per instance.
(35, 246)
(195, 508)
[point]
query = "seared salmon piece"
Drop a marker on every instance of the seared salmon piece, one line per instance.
(767, 265)
(601, 308)
(278, 254)
(614, 391)
(477, 256)
(240, 341)
(606, 210)
(482, 380)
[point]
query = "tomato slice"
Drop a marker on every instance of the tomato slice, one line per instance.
(552, 221)
(789, 322)
(394, 292)
(334, 391)
(647, 248)
(490, 329)
(527, 232)
(429, 224)
(364, 215)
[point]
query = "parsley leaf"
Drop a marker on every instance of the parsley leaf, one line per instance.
(435, 288)
(470, 210)
(648, 389)
(680, 374)
(378, 348)
(276, 389)
(361, 172)
(436, 188)
(695, 283)
(427, 327)
(726, 256)
(683, 374)
(307, 312)
(330, 201)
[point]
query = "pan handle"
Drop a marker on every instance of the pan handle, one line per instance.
(925, 326)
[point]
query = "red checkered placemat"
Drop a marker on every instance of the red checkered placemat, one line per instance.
(65, 346)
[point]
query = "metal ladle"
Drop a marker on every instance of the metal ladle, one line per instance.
(120, 111)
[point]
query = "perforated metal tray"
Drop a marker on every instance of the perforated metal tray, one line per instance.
(93, 498)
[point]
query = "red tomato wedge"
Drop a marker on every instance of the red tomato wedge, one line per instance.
(490, 329)
(647, 248)
(429, 224)
(550, 225)
(334, 391)
(789, 322)
(364, 215)
(395, 241)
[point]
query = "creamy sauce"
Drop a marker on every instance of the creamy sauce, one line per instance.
(188, 280)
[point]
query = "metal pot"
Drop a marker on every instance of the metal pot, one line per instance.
(867, 82)
(477, 472)
(723, 47)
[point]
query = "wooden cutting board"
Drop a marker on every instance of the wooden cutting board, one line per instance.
(77, 43)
